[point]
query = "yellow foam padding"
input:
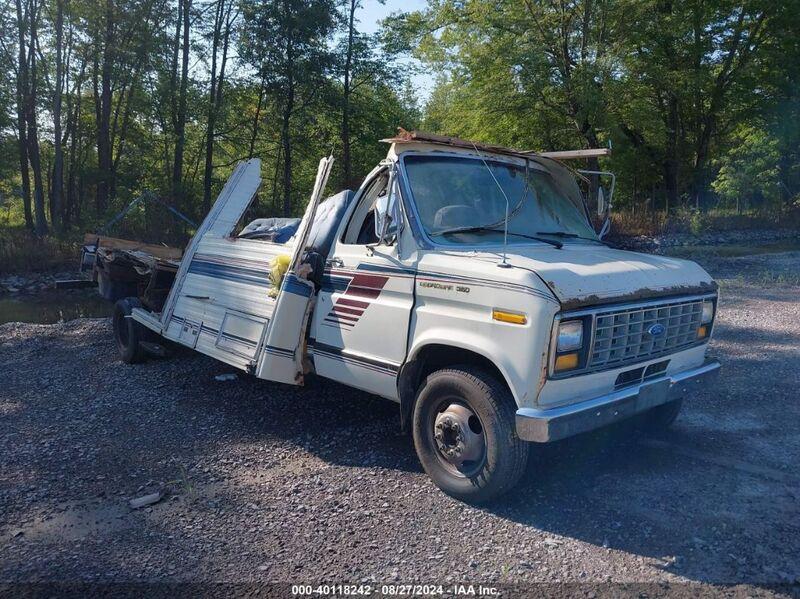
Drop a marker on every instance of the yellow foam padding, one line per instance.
(279, 266)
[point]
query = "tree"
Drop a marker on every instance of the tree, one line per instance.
(21, 98)
(179, 114)
(360, 64)
(31, 105)
(57, 185)
(224, 19)
(285, 41)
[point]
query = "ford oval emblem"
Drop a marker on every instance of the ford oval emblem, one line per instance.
(656, 330)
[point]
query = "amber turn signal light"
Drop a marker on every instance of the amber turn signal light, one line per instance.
(512, 317)
(702, 332)
(567, 362)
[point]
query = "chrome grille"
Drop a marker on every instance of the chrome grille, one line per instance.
(621, 337)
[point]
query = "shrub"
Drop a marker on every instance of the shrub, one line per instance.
(21, 251)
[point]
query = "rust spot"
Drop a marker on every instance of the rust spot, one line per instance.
(542, 374)
(640, 294)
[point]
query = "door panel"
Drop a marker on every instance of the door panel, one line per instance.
(361, 318)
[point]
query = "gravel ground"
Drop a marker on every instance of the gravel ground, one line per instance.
(263, 482)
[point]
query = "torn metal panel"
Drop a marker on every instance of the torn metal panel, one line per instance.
(159, 251)
(231, 203)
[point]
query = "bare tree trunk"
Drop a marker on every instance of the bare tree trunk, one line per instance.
(286, 143)
(671, 161)
(348, 65)
(104, 159)
(58, 152)
(215, 94)
(180, 117)
(75, 126)
(286, 133)
(22, 95)
(256, 119)
(34, 155)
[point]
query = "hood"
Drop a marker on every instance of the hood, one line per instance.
(583, 275)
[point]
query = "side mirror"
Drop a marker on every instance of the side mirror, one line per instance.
(387, 215)
(603, 211)
(603, 204)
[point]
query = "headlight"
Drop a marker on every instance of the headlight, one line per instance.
(570, 336)
(708, 312)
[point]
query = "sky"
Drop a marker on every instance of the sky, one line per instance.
(369, 18)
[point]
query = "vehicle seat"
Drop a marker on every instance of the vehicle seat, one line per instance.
(459, 215)
(277, 230)
(326, 222)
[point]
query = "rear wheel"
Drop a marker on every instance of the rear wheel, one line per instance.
(127, 332)
(465, 435)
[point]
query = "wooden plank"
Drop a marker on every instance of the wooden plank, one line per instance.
(404, 136)
(577, 154)
(159, 251)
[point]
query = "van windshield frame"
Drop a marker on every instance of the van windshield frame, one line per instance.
(536, 203)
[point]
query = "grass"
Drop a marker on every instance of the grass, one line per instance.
(21, 251)
(689, 221)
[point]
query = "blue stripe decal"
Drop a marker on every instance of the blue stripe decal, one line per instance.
(247, 276)
(238, 274)
(333, 283)
(292, 285)
(395, 270)
(335, 353)
(279, 351)
(464, 279)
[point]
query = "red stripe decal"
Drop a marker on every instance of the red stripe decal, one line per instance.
(342, 310)
(368, 286)
(351, 302)
(343, 317)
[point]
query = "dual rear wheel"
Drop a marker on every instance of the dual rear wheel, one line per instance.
(128, 333)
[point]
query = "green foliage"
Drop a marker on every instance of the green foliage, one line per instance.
(283, 87)
(673, 86)
(699, 223)
(748, 173)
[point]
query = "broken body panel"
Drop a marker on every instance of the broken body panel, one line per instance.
(219, 303)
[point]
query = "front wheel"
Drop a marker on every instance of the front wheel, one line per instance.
(465, 434)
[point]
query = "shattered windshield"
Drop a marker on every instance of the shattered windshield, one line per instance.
(460, 201)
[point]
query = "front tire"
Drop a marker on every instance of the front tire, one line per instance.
(127, 332)
(465, 434)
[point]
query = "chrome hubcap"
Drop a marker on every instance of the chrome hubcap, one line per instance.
(459, 435)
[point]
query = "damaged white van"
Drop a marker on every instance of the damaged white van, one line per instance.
(463, 281)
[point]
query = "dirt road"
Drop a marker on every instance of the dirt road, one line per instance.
(267, 483)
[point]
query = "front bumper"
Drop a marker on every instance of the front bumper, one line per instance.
(552, 424)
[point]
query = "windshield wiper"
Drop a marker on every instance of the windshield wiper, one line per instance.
(570, 236)
(482, 229)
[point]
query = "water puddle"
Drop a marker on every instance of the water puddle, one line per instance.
(48, 307)
(734, 250)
